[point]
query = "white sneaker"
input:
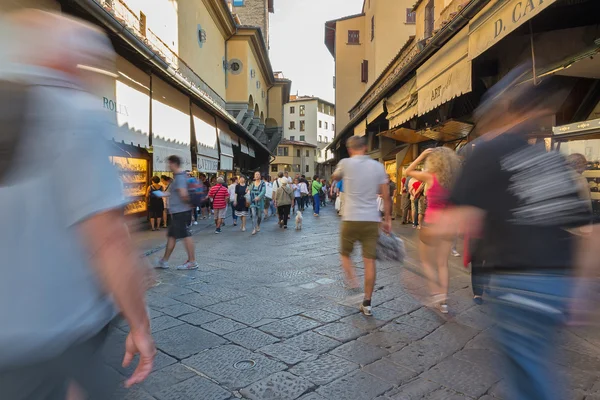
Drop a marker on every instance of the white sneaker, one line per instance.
(444, 308)
(162, 264)
(455, 253)
(190, 265)
(195, 222)
(366, 310)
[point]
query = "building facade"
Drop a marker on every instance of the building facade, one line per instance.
(311, 120)
(426, 95)
(295, 157)
(254, 13)
(188, 80)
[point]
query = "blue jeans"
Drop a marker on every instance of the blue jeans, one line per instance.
(233, 211)
(317, 203)
(272, 209)
(529, 309)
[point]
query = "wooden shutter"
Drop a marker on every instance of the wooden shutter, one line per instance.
(364, 71)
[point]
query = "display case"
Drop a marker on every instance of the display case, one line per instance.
(133, 173)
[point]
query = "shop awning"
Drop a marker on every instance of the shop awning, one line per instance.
(584, 64)
(207, 165)
(404, 135)
(376, 112)
(361, 128)
(206, 133)
(244, 146)
(446, 75)
(251, 151)
(402, 105)
(497, 20)
(225, 141)
(448, 131)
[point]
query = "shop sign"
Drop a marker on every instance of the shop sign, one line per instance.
(208, 165)
(115, 107)
(578, 127)
(494, 23)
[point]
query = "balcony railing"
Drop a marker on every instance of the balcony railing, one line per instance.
(126, 17)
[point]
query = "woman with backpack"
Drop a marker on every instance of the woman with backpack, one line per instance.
(257, 192)
(156, 204)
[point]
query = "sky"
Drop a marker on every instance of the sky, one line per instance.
(297, 42)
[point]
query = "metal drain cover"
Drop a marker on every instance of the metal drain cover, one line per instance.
(244, 364)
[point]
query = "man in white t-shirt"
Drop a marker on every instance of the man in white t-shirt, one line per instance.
(364, 179)
(231, 190)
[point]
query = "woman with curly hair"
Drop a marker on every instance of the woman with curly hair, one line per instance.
(441, 168)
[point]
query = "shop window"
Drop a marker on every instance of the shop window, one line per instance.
(292, 110)
(282, 151)
(411, 16)
(274, 168)
(292, 124)
(302, 138)
(302, 110)
(353, 37)
(302, 127)
(297, 152)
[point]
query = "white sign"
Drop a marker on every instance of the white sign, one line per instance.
(208, 165)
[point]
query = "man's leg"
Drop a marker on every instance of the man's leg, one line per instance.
(347, 239)
(189, 248)
(286, 214)
(169, 249)
(368, 235)
(370, 275)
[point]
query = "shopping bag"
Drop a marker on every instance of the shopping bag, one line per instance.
(390, 248)
(338, 203)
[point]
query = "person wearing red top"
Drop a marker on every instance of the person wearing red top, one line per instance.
(219, 194)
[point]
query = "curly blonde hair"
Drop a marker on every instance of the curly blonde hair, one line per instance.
(444, 164)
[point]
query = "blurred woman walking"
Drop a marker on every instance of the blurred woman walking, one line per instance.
(257, 192)
(441, 168)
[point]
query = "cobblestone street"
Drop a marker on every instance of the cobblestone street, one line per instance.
(267, 317)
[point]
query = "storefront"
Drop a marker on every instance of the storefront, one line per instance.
(226, 160)
(206, 138)
(170, 126)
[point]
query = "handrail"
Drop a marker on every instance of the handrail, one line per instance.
(127, 18)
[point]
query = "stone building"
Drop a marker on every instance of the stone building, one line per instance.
(254, 13)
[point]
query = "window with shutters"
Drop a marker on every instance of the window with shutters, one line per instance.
(302, 127)
(292, 124)
(353, 37)
(364, 71)
(302, 110)
(283, 151)
(292, 110)
(411, 16)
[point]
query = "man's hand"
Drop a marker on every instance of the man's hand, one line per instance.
(387, 226)
(139, 343)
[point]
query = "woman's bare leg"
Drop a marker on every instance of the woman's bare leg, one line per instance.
(442, 254)
(425, 252)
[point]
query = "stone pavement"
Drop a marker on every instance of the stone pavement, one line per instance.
(267, 317)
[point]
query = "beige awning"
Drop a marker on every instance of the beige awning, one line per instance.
(446, 75)
(448, 131)
(404, 135)
(361, 128)
(375, 112)
(498, 19)
(402, 105)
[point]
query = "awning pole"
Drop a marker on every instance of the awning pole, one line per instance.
(535, 81)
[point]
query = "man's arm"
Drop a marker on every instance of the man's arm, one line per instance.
(384, 190)
(122, 273)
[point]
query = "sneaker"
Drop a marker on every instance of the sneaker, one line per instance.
(444, 308)
(366, 310)
(455, 253)
(478, 300)
(189, 265)
(243, 229)
(315, 215)
(162, 264)
(218, 230)
(258, 229)
(285, 227)
(195, 222)
(254, 232)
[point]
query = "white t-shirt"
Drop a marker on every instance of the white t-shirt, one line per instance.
(268, 190)
(362, 179)
(231, 189)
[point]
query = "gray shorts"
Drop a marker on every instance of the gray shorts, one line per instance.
(220, 213)
(50, 380)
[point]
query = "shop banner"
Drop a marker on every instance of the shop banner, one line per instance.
(251, 151)
(452, 83)
(244, 145)
(226, 144)
(499, 19)
(163, 149)
(226, 163)
(208, 165)
(206, 137)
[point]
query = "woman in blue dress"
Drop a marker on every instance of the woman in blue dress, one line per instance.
(257, 192)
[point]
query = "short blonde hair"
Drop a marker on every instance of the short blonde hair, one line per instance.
(444, 164)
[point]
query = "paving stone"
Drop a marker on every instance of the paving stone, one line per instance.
(360, 352)
(452, 335)
(289, 327)
(134, 393)
(314, 396)
(185, 340)
(251, 310)
(251, 338)
(363, 322)
(385, 339)
(385, 314)
(199, 317)
(197, 300)
(191, 388)
(169, 290)
(311, 285)
(500, 390)
(427, 313)
(445, 394)
(462, 376)
(341, 332)
(164, 322)
(390, 372)
(159, 301)
(414, 390)
(401, 305)
(583, 362)
(483, 341)
(425, 324)
(178, 310)
(356, 386)
(410, 333)
(166, 377)
(321, 316)
(223, 326)
(342, 311)
(325, 281)
(481, 357)
(313, 343)
(324, 369)
(288, 354)
(475, 318)
(281, 385)
(220, 364)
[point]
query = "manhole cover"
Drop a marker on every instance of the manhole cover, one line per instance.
(244, 364)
